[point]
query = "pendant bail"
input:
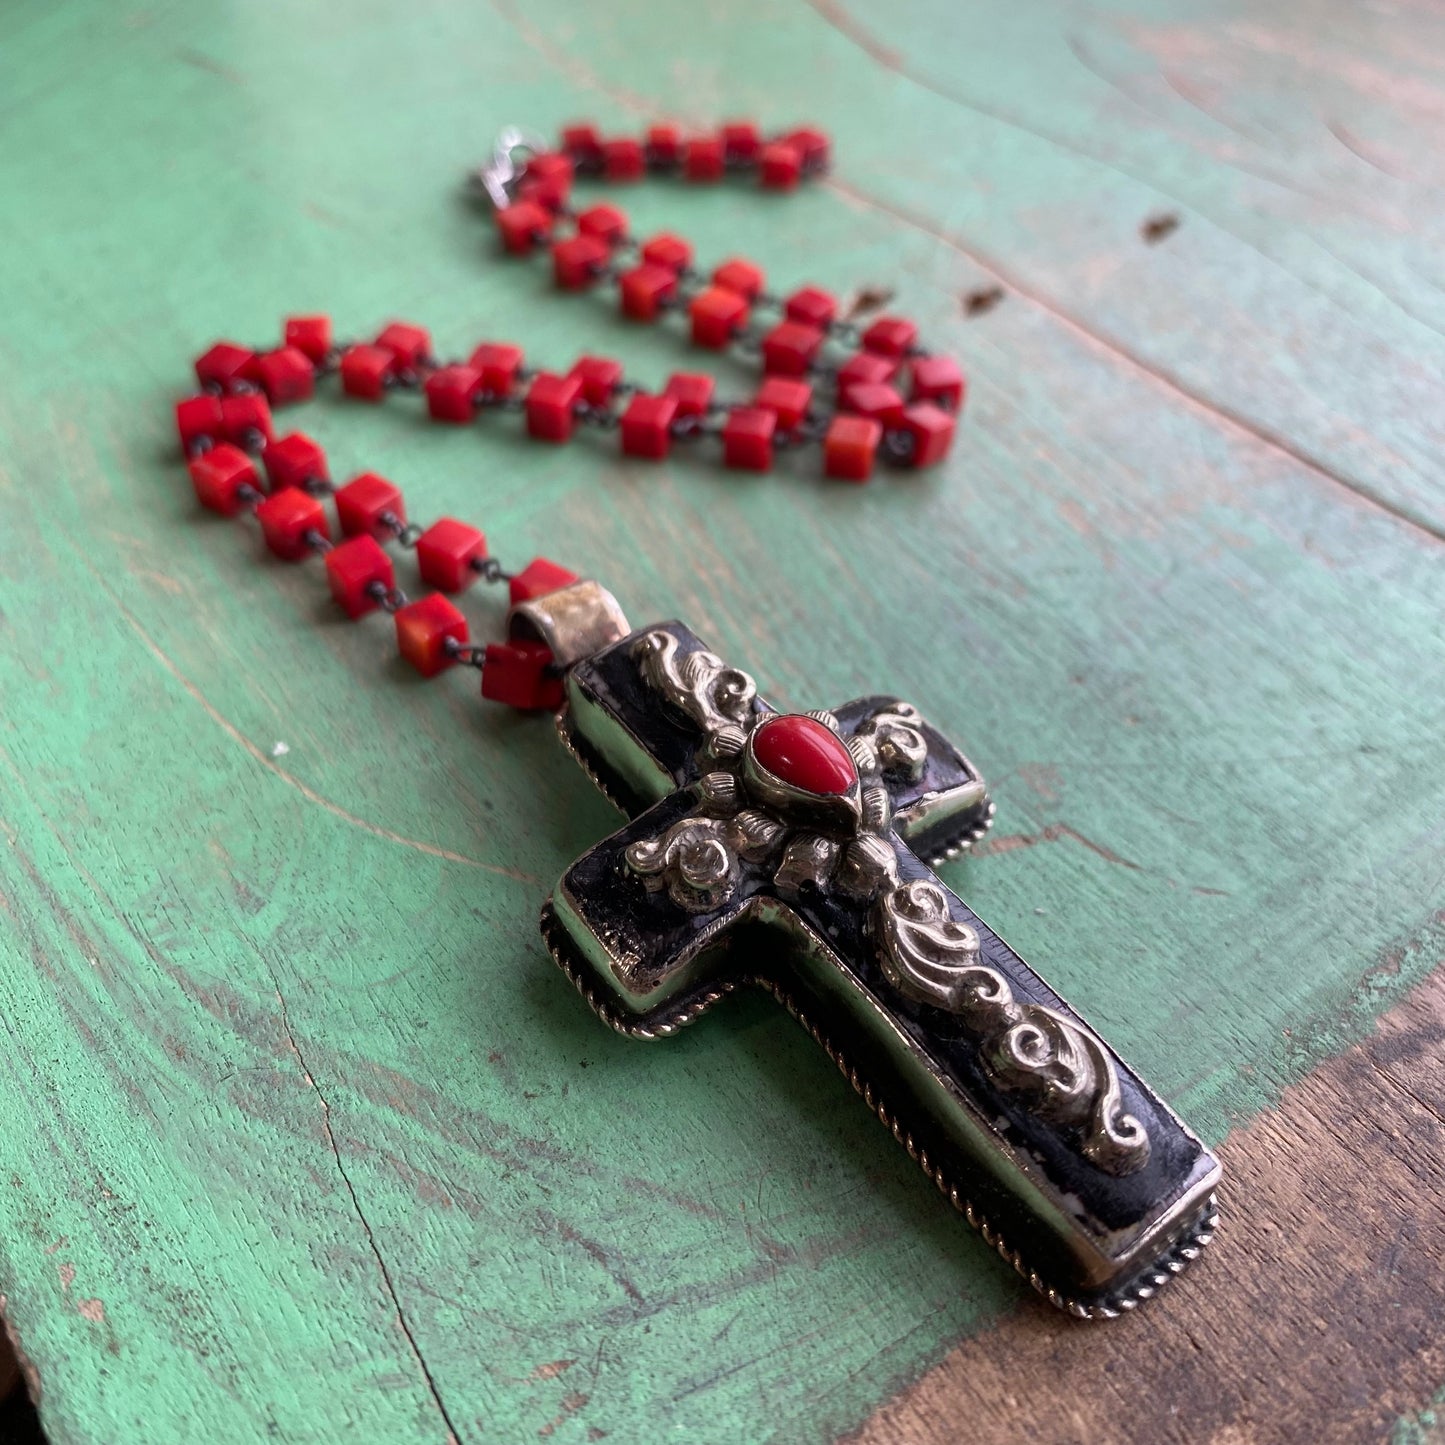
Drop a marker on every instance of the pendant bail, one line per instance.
(574, 621)
(495, 176)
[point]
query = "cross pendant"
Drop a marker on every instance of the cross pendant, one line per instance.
(795, 852)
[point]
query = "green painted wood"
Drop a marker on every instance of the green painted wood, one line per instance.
(305, 1139)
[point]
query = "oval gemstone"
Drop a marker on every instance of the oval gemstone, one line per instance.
(802, 752)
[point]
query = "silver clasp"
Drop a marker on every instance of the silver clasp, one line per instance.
(495, 178)
(574, 621)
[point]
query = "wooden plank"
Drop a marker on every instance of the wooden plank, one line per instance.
(315, 1140)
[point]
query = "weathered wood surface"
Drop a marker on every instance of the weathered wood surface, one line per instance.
(303, 1137)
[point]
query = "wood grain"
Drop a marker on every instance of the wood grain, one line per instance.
(305, 1138)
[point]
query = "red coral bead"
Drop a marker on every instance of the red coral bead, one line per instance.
(365, 370)
(647, 426)
(693, 391)
(286, 376)
(780, 167)
(451, 393)
(741, 142)
(790, 348)
(295, 461)
(787, 398)
(577, 262)
(890, 336)
(500, 364)
(812, 145)
(551, 400)
(702, 158)
(310, 335)
(717, 314)
(550, 195)
(668, 250)
(645, 290)
(939, 380)
(523, 225)
(748, 438)
(410, 346)
(246, 419)
(424, 630)
(622, 159)
(582, 143)
(222, 478)
(551, 170)
(224, 365)
(288, 521)
(539, 577)
(811, 306)
(446, 554)
(931, 429)
(355, 570)
(521, 675)
(607, 223)
(864, 368)
(877, 401)
(370, 505)
(599, 376)
(849, 447)
(664, 145)
(199, 419)
(740, 276)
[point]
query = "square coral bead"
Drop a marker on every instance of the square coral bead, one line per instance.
(521, 675)
(664, 146)
(622, 159)
(539, 577)
(812, 306)
(780, 166)
(447, 554)
(500, 364)
(427, 630)
(409, 345)
(607, 223)
(812, 145)
(790, 348)
(748, 438)
(199, 420)
(289, 520)
(295, 461)
(717, 314)
(864, 367)
(550, 167)
(369, 505)
(693, 390)
(890, 336)
(876, 400)
(939, 380)
(286, 376)
(551, 403)
(310, 335)
(931, 429)
(600, 377)
(451, 393)
(224, 365)
(702, 158)
(740, 276)
(523, 225)
(850, 446)
(356, 570)
(668, 250)
(365, 371)
(645, 290)
(582, 143)
(246, 419)
(787, 398)
(224, 479)
(741, 142)
(577, 262)
(647, 426)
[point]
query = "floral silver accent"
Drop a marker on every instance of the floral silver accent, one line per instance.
(933, 958)
(710, 692)
(691, 860)
(896, 731)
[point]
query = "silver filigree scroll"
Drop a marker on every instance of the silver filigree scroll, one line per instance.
(710, 692)
(896, 731)
(931, 957)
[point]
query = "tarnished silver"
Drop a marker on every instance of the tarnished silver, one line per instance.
(574, 621)
(710, 692)
(692, 860)
(897, 733)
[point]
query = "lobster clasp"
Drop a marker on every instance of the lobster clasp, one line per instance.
(496, 176)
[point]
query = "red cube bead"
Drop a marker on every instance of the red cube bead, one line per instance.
(552, 170)
(199, 419)
(812, 307)
(289, 519)
(864, 368)
(285, 375)
(221, 478)
(365, 370)
(607, 223)
(812, 145)
(539, 577)
(521, 675)
(500, 364)
(741, 141)
(931, 429)
(224, 365)
(550, 403)
(668, 250)
(523, 225)
(876, 400)
(310, 335)
(645, 290)
(451, 393)
(787, 398)
(748, 438)
(740, 276)
(693, 391)
(582, 143)
(355, 569)
(246, 419)
(622, 159)
(780, 167)
(295, 461)
(849, 447)
(426, 630)
(409, 345)
(890, 336)
(447, 554)
(550, 195)
(939, 380)
(369, 505)
(717, 314)
(664, 145)
(647, 426)
(577, 262)
(790, 348)
(600, 377)
(702, 158)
